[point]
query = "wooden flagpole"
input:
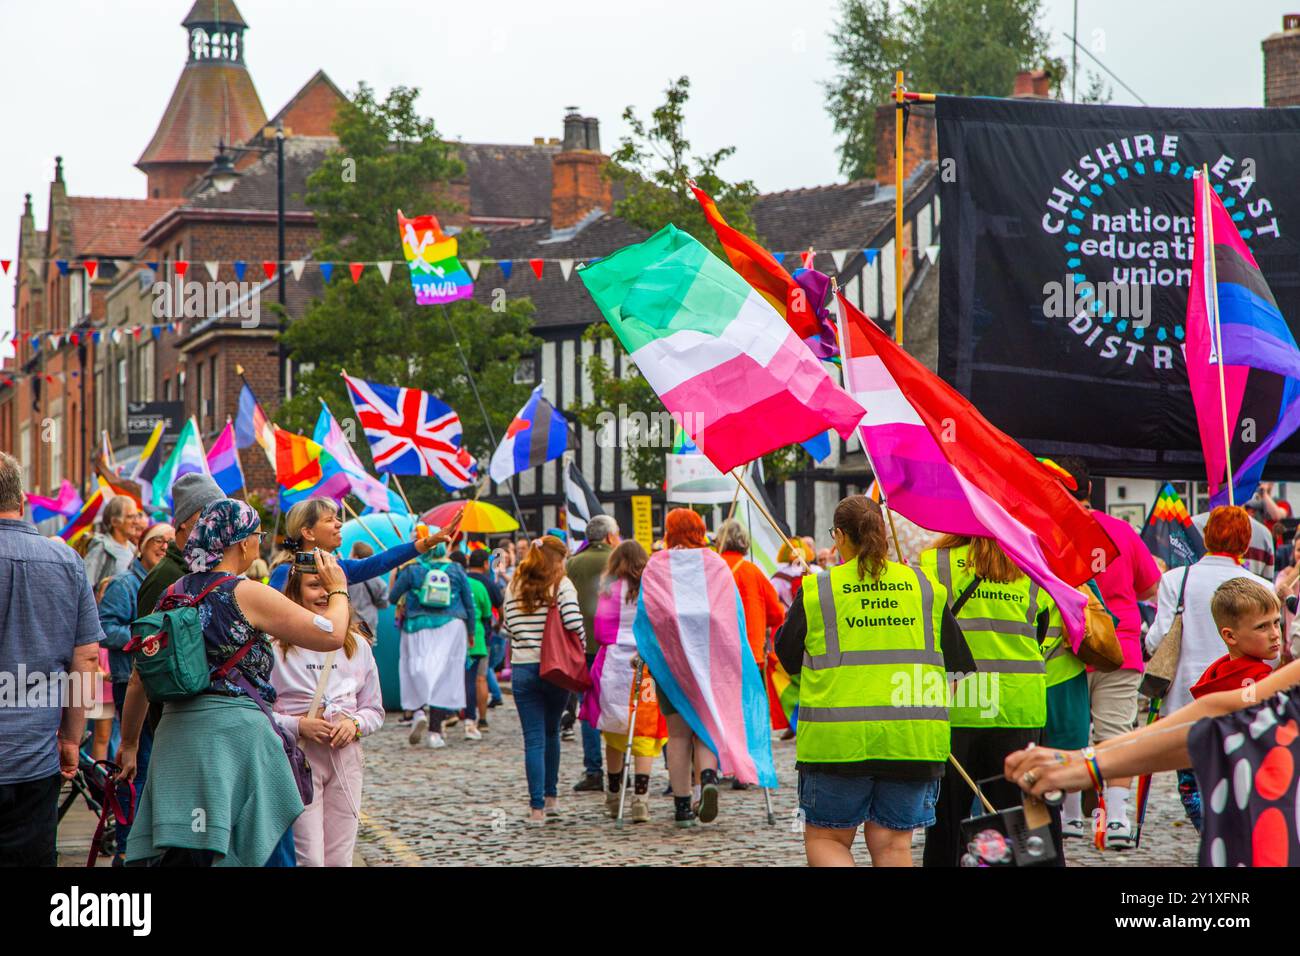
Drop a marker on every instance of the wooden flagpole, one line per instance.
(1213, 298)
(402, 491)
(364, 526)
(764, 512)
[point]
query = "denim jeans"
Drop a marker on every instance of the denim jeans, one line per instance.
(496, 654)
(142, 754)
(540, 705)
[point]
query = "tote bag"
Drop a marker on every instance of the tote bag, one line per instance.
(564, 655)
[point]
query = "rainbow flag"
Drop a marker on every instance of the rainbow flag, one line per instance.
(1230, 307)
(782, 695)
(739, 380)
(188, 456)
(85, 519)
(690, 631)
(436, 274)
(303, 469)
(64, 505)
(223, 461)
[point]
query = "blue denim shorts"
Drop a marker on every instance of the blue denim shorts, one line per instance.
(836, 802)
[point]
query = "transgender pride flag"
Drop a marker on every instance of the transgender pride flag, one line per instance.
(690, 631)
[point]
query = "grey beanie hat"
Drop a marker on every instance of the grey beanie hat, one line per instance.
(191, 493)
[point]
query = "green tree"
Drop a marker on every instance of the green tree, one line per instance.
(959, 47)
(391, 158)
(652, 164)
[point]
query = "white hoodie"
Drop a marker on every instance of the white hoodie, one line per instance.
(352, 688)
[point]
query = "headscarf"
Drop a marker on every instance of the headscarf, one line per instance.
(684, 528)
(222, 523)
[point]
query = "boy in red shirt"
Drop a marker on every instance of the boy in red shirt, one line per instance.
(1248, 617)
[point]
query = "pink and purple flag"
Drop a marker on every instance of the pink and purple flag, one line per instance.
(690, 631)
(223, 462)
(1260, 362)
(64, 505)
(365, 486)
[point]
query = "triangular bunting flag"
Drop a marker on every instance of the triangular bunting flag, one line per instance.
(296, 268)
(506, 268)
(779, 257)
(240, 268)
(871, 255)
(35, 266)
(122, 264)
(838, 256)
(116, 336)
(268, 269)
(153, 265)
(181, 267)
(807, 258)
(4, 265)
(92, 266)
(95, 337)
(56, 341)
(472, 265)
(356, 269)
(385, 269)
(135, 332)
(326, 270)
(63, 266)
(537, 265)
(75, 339)
(932, 253)
(214, 269)
(566, 268)
(156, 332)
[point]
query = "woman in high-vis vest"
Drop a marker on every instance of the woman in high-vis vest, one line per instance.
(1002, 707)
(872, 641)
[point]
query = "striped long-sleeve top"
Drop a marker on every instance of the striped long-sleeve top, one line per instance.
(526, 629)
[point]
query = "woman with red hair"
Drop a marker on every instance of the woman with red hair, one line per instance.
(1227, 536)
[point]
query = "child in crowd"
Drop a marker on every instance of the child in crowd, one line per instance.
(1248, 616)
(350, 707)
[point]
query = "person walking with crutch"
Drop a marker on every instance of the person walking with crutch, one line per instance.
(622, 703)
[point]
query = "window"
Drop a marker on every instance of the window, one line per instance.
(55, 435)
(146, 373)
(120, 417)
(526, 370)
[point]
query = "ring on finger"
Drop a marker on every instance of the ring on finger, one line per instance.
(1029, 778)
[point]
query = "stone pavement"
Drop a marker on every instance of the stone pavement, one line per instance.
(466, 805)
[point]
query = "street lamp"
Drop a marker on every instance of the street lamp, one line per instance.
(223, 175)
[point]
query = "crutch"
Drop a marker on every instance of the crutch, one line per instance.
(632, 705)
(767, 702)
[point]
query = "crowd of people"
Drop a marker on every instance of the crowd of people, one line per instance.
(918, 677)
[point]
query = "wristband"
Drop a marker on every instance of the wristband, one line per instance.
(1089, 755)
(358, 726)
(342, 591)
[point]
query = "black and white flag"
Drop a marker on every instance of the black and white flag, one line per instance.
(580, 504)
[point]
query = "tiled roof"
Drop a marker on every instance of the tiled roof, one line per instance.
(214, 101)
(111, 228)
(508, 181)
(255, 187)
(214, 11)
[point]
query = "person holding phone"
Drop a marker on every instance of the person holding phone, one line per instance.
(217, 751)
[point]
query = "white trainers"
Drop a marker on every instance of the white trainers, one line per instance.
(1074, 828)
(436, 742)
(418, 726)
(1119, 836)
(472, 733)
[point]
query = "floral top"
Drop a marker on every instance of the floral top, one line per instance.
(225, 631)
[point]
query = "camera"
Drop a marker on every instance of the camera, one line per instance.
(304, 562)
(1016, 836)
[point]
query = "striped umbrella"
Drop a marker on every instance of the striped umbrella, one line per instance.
(478, 517)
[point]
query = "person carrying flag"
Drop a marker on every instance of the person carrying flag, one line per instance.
(860, 634)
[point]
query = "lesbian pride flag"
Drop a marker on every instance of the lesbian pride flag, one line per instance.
(719, 356)
(943, 466)
(436, 274)
(1260, 361)
(690, 631)
(66, 504)
(223, 462)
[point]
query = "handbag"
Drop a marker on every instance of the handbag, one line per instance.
(1162, 667)
(1100, 648)
(564, 655)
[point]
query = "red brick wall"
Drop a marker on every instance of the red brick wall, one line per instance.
(577, 187)
(920, 143)
(1282, 69)
(313, 113)
(171, 180)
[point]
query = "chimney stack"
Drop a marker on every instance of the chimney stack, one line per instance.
(578, 184)
(1282, 64)
(1032, 84)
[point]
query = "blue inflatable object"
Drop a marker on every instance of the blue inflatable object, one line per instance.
(388, 648)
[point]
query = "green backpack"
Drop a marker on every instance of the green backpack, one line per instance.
(170, 650)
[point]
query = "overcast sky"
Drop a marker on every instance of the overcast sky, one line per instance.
(89, 79)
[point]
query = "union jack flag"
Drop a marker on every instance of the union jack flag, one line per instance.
(412, 433)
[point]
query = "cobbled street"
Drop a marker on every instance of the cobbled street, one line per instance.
(466, 805)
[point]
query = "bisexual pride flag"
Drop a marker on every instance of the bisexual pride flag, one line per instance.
(223, 462)
(690, 631)
(66, 504)
(1230, 305)
(436, 274)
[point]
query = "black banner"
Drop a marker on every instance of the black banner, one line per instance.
(1067, 250)
(142, 416)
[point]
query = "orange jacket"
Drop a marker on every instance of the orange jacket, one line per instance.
(763, 609)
